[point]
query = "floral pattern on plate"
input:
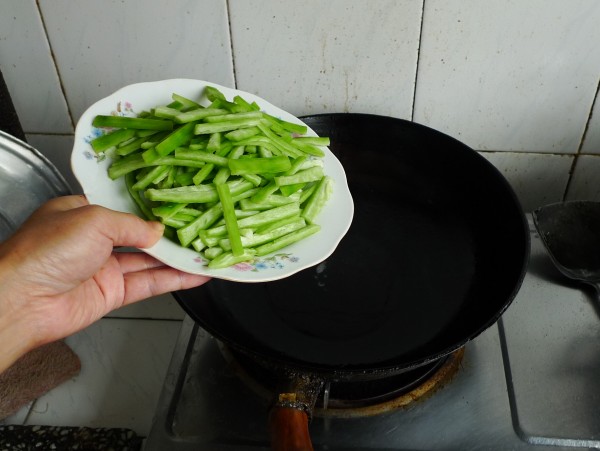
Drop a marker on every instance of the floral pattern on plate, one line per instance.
(123, 108)
(275, 261)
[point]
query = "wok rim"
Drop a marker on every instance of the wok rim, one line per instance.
(381, 370)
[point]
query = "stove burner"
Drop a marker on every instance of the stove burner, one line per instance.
(347, 399)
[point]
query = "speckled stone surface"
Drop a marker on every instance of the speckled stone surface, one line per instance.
(14, 437)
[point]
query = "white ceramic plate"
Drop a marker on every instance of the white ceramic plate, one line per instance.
(91, 173)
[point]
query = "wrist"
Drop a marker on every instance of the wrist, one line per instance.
(15, 340)
(16, 336)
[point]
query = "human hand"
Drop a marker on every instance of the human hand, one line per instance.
(59, 272)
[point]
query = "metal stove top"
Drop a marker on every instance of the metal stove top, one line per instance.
(532, 381)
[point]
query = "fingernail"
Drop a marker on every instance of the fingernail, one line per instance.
(159, 227)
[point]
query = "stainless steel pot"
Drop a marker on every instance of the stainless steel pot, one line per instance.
(27, 180)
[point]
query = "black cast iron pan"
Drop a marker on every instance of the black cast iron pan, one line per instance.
(436, 252)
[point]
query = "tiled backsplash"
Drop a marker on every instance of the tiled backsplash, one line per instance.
(515, 80)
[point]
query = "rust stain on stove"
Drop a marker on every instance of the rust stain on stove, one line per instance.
(438, 380)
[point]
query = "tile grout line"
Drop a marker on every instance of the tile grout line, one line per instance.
(53, 58)
(414, 97)
(583, 135)
(228, 11)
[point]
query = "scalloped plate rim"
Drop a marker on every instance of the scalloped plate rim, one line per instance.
(89, 176)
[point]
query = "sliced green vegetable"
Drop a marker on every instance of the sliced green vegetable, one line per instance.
(227, 179)
(259, 165)
(131, 122)
(317, 201)
(227, 259)
(112, 139)
(286, 240)
(231, 222)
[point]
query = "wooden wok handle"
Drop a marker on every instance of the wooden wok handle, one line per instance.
(289, 429)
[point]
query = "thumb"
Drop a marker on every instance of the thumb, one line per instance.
(126, 229)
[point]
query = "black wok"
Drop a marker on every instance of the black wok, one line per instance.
(436, 252)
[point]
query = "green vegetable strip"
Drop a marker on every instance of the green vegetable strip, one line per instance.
(230, 220)
(135, 195)
(315, 203)
(169, 179)
(132, 122)
(195, 194)
(145, 181)
(260, 219)
(308, 175)
(199, 155)
(145, 133)
(173, 222)
(287, 148)
(242, 133)
(259, 165)
(228, 259)
(271, 201)
(213, 252)
(258, 239)
(221, 176)
(224, 172)
(135, 162)
(175, 105)
(184, 217)
(286, 240)
(235, 116)
(188, 233)
(253, 178)
(321, 141)
(131, 147)
(198, 245)
(289, 126)
(178, 138)
(112, 139)
(197, 114)
(207, 128)
(166, 112)
(203, 173)
(277, 224)
(185, 103)
(307, 192)
(288, 190)
(154, 140)
(308, 148)
(261, 141)
(168, 210)
(242, 102)
(263, 152)
(265, 191)
(214, 142)
(213, 94)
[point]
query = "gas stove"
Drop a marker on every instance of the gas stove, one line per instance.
(531, 381)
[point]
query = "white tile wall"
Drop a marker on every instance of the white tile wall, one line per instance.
(500, 76)
(509, 75)
(101, 46)
(549, 173)
(585, 184)
(335, 56)
(29, 71)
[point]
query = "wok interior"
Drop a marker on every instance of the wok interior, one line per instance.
(436, 252)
